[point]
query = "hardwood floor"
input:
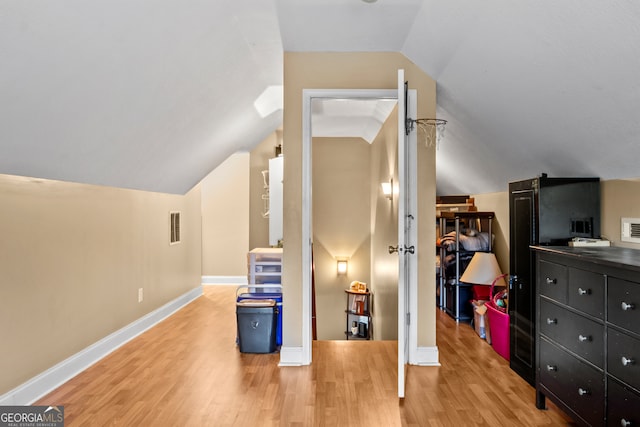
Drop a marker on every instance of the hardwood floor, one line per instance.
(187, 371)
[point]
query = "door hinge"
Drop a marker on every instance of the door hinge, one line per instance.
(408, 318)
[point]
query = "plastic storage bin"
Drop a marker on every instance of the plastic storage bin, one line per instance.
(256, 326)
(257, 296)
(480, 322)
(499, 326)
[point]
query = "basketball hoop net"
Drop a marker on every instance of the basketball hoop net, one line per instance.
(431, 129)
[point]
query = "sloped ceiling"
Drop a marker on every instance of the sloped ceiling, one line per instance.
(150, 95)
(154, 95)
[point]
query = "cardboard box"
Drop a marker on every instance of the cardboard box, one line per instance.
(481, 320)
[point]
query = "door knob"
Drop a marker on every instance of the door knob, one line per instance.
(393, 249)
(409, 249)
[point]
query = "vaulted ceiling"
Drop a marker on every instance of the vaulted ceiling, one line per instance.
(154, 95)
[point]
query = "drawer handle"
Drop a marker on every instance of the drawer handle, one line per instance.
(625, 423)
(627, 362)
(583, 338)
(583, 392)
(584, 291)
(626, 306)
(552, 368)
(551, 281)
(552, 321)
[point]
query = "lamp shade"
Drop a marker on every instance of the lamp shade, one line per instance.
(483, 270)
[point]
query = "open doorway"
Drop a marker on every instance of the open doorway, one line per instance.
(354, 150)
(407, 223)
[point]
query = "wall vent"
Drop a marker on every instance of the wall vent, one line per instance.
(175, 228)
(630, 230)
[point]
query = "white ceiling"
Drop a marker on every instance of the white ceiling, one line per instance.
(154, 95)
(357, 118)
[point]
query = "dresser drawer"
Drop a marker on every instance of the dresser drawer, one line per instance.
(586, 292)
(577, 333)
(623, 357)
(623, 304)
(578, 385)
(552, 280)
(623, 405)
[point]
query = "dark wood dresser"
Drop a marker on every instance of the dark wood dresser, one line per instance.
(588, 333)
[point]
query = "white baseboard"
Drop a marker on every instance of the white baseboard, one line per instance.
(49, 380)
(427, 356)
(291, 356)
(224, 280)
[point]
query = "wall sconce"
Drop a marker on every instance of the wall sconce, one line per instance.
(387, 189)
(342, 266)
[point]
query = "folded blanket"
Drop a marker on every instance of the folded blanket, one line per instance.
(469, 241)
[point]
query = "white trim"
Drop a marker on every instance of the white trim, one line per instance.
(307, 232)
(291, 356)
(404, 228)
(412, 159)
(225, 280)
(49, 380)
(427, 356)
(408, 223)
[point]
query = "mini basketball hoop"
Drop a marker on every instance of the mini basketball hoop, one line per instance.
(431, 129)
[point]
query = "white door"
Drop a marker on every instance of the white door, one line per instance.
(407, 226)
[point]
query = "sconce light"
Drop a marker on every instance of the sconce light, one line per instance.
(342, 266)
(387, 189)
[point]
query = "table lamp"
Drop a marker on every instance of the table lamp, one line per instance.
(483, 270)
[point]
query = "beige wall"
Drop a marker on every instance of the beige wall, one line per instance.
(620, 198)
(351, 71)
(225, 218)
(341, 227)
(72, 259)
(499, 204)
(260, 155)
(353, 219)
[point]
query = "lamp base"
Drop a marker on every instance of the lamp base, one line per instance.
(481, 292)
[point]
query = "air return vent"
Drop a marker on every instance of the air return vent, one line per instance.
(631, 230)
(175, 228)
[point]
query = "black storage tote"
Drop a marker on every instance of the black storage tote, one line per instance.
(257, 321)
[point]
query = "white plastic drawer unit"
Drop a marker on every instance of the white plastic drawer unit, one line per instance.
(264, 266)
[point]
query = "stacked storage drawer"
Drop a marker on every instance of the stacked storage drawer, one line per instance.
(623, 352)
(588, 339)
(571, 348)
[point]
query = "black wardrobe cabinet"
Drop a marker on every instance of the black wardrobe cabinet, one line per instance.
(542, 211)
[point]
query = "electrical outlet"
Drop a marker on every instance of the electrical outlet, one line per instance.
(140, 294)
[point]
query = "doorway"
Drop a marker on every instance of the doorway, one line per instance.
(407, 337)
(353, 152)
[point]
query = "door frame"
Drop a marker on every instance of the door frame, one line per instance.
(307, 221)
(407, 232)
